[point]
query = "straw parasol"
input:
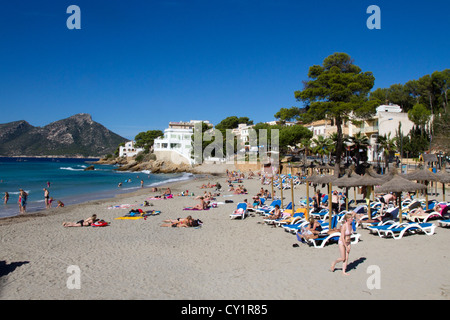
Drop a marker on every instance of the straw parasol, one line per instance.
(423, 175)
(311, 179)
(399, 184)
(348, 180)
(368, 181)
(444, 178)
(328, 179)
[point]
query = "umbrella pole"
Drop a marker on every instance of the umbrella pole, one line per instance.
(400, 215)
(281, 190)
(330, 212)
(292, 195)
(443, 191)
(346, 199)
(307, 200)
(273, 198)
(369, 213)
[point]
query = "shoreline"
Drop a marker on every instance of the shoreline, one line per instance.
(122, 195)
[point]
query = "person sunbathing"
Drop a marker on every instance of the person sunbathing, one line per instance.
(420, 213)
(82, 223)
(312, 231)
(179, 223)
(203, 205)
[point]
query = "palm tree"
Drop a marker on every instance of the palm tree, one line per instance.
(387, 144)
(306, 143)
(322, 146)
(345, 140)
(360, 142)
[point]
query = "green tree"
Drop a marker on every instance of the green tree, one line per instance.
(441, 125)
(420, 115)
(337, 89)
(232, 122)
(293, 135)
(322, 146)
(145, 139)
(361, 143)
(287, 114)
(387, 144)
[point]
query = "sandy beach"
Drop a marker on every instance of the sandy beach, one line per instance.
(226, 258)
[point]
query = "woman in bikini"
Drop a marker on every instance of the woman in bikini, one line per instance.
(179, 223)
(344, 243)
(82, 223)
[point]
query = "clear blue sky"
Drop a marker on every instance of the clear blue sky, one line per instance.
(136, 65)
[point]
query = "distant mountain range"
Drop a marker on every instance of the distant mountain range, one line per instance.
(75, 136)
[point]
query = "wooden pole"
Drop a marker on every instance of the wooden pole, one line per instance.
(307, 201)
(292, 195)
(330, 211)
(273, 198)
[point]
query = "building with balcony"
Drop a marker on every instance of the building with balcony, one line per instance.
(129, 150)
(176, 144)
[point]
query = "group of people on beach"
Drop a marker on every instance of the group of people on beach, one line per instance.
(23, 199)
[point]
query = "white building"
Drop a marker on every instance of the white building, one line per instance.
(387, 121)
(176, 144)
(129, 150)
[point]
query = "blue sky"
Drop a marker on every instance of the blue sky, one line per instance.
(136, 65)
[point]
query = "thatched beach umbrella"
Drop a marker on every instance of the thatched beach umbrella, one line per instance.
(368, 181)
(399, 184)
(444, 178)
(423, 175)
(348, 180)
(328, 179)
(311, 179)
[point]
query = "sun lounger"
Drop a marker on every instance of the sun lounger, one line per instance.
(240, 212)
(430, 214)
(398, 231)
(330, 238)
(295, 225)
(444, 223)
(268, 208)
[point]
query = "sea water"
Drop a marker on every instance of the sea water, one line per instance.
(68, 181)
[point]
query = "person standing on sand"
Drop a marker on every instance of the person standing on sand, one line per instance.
(344, 243)
(46, 198)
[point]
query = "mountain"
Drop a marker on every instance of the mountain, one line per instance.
(77, 135)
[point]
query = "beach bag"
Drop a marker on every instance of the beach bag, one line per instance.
(228, 201)
(197, 223)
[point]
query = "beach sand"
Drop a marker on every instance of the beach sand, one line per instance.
(224, 259)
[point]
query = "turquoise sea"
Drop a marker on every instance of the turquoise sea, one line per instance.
(68, 181)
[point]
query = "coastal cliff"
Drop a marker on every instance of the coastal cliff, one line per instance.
(77, 135)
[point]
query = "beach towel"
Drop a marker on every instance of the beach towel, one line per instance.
(121, 206)
(100, 223)
(128, 218)
(151, 213)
